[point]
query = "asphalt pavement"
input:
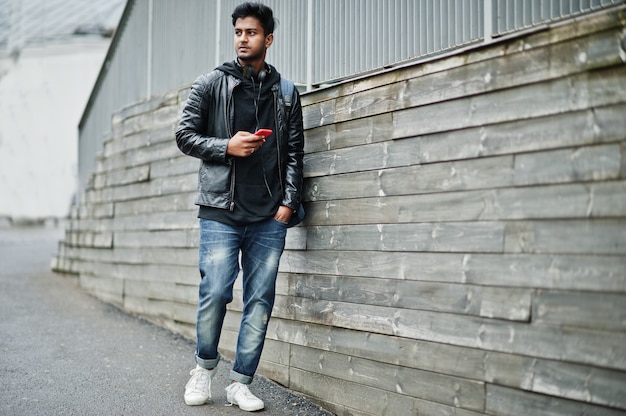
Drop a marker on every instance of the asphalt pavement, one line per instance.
(64, 352)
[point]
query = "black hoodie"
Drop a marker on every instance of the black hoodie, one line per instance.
(257, 188)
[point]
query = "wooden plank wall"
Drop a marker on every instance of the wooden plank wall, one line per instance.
(465, 246)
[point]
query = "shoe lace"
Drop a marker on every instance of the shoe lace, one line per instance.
(245, 391)
(200, 381)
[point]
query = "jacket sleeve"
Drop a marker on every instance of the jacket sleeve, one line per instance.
(198, 119)
(295, 154)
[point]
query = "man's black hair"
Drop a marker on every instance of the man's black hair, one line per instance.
(262, 12)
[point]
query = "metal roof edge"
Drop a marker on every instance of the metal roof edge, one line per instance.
(105, 64)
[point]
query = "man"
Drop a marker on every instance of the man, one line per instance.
(249, 188)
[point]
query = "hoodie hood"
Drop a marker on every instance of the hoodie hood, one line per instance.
(233, 68)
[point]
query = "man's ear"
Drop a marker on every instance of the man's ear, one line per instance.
(269, 39)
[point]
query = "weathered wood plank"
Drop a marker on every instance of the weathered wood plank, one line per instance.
(320, 114)
(590, 273)
(535, 100)
(122, 177)
(145, 106)
(227, 347)
(577, 382)
(539, 202)
(424, 407)
(519, 69)
(355, 211)
(176, 238)
(276, 352)
(623, 167)
(534, 134)
(510, 402)
(274, 371)
(296, 238)
(176, 184)
(150, 152)
(597, 163)
(109, 288)
(169, 255)
(579, 164)
(64, 265)
(444, 389)
(439, 177)
(92, 239)
(167, 115)
(600, 348)
(435, 357)
(440, 237)
(183, 329)
(161, 203)
(104, 210)
(99, 225)
(582, 127)
(175, 311)
(135, 255)
(166, 291)
(113, 146)
(598, 236)
(349, 133)
(157, 221)
(175, 166)
(490, 302)
(186, 275)
(80, 267)
(429, 356)
(596, 311)
(354, 397)
(593, 272)
(155, 186)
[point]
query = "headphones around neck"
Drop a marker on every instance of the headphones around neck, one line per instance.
(250, 73)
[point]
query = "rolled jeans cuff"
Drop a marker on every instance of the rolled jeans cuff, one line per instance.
(235, 376)
(208, 364)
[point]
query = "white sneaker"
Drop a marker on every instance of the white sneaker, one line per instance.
(239, 394)
(198, 388)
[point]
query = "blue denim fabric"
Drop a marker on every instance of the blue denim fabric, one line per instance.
(261, 245)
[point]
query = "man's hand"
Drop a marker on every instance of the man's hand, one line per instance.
(243, 144)
(283, 214)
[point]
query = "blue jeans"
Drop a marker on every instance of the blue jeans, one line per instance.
(261, 245)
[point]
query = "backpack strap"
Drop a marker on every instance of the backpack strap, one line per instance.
(286, 88)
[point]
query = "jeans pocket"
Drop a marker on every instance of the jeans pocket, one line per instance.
(280, 222)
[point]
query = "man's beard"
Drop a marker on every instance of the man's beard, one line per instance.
(251, 58)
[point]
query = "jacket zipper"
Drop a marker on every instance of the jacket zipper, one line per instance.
(278, 137)
(232, 160)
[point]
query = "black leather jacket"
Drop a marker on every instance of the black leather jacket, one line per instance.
(206, 126)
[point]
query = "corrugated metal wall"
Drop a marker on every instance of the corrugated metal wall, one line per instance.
(513, 15)
(354, 36)
(316, 42)
(184, 41)
(121, 82)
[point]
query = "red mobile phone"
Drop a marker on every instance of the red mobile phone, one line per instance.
(263, 132)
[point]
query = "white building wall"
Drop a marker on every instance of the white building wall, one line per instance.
(42, 96)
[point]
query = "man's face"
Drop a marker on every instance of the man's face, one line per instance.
(250, 40)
